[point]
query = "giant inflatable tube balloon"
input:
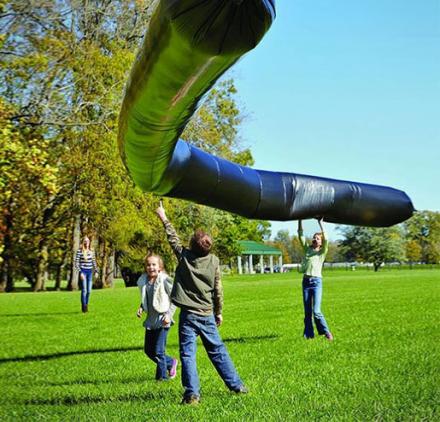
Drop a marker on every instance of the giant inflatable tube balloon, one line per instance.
(188, 46)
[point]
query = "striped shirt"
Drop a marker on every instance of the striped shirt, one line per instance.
(85, 262)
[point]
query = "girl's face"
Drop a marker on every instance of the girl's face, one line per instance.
(153, 267)
(317, 240)
(86, 242)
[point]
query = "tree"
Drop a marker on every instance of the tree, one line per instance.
(283, 242)
(423, 229)
(64, 65)
(413, 251)
(375, 245)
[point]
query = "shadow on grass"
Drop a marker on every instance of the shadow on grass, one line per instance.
(139, 379)
(39, 314)
(32, 358)
(251, 339)
(57, 401)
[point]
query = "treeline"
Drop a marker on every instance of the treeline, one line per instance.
(415, 240)
(63, 68)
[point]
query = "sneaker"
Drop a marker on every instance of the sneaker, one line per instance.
(191, 399)
(329, 336)
(241, 390)
(173, 370)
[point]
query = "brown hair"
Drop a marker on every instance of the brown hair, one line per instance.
(153, 255)
(201, 243)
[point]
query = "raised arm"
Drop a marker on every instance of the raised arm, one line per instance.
(324, 247)
(301, 237)
(173, 238)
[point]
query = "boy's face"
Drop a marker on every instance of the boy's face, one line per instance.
(153, 267)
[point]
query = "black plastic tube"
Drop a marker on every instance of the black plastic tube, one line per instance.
(188, 46)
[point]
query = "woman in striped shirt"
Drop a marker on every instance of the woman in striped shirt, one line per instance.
(85, 262)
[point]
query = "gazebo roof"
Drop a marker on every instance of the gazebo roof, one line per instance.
(249, 247)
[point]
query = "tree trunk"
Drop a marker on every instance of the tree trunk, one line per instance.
(58, 273)
(99, 281)
(2, 279)
(42, 266)
(76, 241)
(60, 269)
(110, 269)
(7, 281)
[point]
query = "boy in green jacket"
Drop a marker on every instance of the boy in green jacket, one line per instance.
(198, 292)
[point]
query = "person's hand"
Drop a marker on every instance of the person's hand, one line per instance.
(139, 312)
(166, 320)
(160, 211)
(218, 320)
(82, 277)
(96, 274)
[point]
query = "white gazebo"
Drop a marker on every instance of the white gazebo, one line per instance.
(264, 253)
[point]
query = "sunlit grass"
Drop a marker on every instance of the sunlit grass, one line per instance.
(59, 364)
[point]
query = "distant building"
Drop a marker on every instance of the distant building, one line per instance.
(265, 254)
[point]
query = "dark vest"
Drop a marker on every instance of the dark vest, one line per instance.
(194, 281)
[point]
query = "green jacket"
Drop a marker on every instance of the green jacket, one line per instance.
(197, 284)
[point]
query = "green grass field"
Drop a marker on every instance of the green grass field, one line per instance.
(59, 364)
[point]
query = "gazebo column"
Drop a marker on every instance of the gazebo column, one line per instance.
(239, 266)
(261, 264)
(271, 263)
(280, 262)
(251, 265)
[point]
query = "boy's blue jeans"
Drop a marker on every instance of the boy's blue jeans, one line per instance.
(86, 286)
(190, 326)
(154, 347)
(312, 296)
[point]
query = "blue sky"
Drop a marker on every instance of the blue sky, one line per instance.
(348, 90)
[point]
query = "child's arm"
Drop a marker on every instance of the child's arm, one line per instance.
(218, 297)
(301, 237)
(324, 247)
(173, 238)
(141, 283)
(140, 311)
(168, 316)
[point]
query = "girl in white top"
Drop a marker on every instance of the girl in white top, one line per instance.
(155, 289)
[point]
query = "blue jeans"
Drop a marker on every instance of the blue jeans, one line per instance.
(154, 347)
(190, 326)
(86, 286)
(312, 296)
